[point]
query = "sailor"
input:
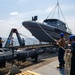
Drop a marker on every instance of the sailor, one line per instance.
(12, 41)
(23, 42)
(9, 42)
(61, 44)
(72, 50)
(1, 41)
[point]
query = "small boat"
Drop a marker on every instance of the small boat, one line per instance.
(48, 29)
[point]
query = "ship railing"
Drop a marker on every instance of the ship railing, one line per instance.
(67, 58)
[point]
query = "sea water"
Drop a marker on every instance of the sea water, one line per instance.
(28, 41)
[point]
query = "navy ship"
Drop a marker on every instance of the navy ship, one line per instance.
(48, 29)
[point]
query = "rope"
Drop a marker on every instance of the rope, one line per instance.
(26, 36)
(19, 27)
(46, 32)
(67, 71)
(48, 35)
(68, 62)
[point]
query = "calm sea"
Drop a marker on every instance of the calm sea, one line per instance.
(28, 41)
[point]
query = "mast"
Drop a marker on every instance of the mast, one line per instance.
(58, 8)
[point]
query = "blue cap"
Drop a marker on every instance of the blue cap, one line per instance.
(71, 37)
(62, 34)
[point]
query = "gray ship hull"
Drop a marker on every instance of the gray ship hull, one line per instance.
(44, 32)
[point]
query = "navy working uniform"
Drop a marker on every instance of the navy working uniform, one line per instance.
(72, 71)
(61, 51)
(1, 41)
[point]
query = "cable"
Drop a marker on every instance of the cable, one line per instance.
(48, 34)
(19, 27)
(51, 11)
(59, 9)
(26, 36)
(45, 31)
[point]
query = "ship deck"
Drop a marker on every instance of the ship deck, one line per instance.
(49, 69)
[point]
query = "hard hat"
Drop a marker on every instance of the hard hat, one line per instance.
(62, 34)
(71, 37)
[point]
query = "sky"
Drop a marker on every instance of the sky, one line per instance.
(14, 12)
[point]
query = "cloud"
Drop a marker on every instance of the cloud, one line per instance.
(15, 21)
(1, 21)
(14, 13)
(49, 9)
(8, 24)
(4, 29)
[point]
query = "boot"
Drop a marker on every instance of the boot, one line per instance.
(59, 67)
(63, 65)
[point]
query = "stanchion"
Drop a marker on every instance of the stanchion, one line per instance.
(14, 69)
